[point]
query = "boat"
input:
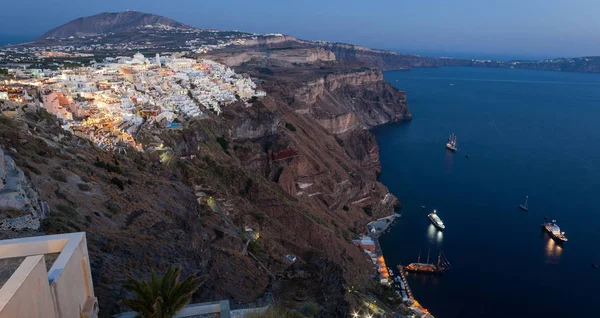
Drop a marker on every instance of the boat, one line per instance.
(435, 219)
(451, 145)
(442, 265)
(525, 206)
(554, 230)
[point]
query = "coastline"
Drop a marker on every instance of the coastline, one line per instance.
(370, 245)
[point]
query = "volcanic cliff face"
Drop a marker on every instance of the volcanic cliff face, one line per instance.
(388, 60)
(111, 22)
(305, 184)
(346, 101)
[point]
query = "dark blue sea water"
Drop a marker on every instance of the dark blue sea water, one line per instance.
(14, 39)
(527, 133)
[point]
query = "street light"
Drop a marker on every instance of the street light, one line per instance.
(355, 314)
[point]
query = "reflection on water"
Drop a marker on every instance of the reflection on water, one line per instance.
(553, 251)
(434, 235)
(449, 160)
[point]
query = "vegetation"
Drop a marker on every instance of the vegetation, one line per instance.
(84, 187)
(224, 144)
(254, 247)
(58, 175)
(113, 207)
(312, 309)
(109, 167)
(290, 126)
(61, 220)
(346, 208)
(118, 182)
(162, 297)
(368, 210)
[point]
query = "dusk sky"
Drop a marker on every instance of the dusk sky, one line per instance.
(519, 28)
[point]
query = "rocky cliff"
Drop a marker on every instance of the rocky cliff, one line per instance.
(20, 205)
(301, 173)
(388, 60)
(345, 101)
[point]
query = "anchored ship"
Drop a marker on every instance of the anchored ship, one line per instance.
(436, 220)
(451, 145)
(554, 230)
(442, 265)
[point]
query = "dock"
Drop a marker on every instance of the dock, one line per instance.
(403, 279)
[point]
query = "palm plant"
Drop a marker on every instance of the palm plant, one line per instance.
(162, 297)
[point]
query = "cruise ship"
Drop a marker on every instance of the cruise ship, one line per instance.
(436, 220)
(554, 231)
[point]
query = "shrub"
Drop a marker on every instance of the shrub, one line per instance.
(254, 247)
(84, 187)
(33, 169)
(113, 207)
(290, 127)
(58, 175)
(224, 144)
(118, 182)
(346, 208)
(62, 219)
(368, 210)
(109, 167)
(312, 309)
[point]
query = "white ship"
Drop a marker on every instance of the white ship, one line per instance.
(451, 145)
(436, 220)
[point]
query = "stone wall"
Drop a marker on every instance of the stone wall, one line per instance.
(20, 205)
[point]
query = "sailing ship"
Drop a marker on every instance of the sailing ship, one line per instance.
(554, 230)
(524, 206)
(441, 266)
(451, 145)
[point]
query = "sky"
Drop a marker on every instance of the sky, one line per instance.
(458, 28)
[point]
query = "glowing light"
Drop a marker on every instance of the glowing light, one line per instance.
(355, 314)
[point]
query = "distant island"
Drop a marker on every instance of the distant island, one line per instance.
(133, 30)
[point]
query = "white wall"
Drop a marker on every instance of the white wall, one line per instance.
(27, 293)
(74, 283)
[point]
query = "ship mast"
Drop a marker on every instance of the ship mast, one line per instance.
(419, 258)
(439, 257)
(428, 250)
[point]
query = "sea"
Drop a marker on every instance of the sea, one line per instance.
(527, 133)
(14, 39)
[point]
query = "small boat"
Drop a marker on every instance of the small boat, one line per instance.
(554, 230)
(525, 206)
(467, 156)
(437, 222)
(451, 84)
(451, 145)
(422, 207)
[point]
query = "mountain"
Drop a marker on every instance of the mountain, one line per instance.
(108, 22)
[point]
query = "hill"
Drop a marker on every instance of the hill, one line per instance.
(114, 22)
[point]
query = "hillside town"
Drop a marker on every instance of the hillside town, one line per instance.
(107, 102)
